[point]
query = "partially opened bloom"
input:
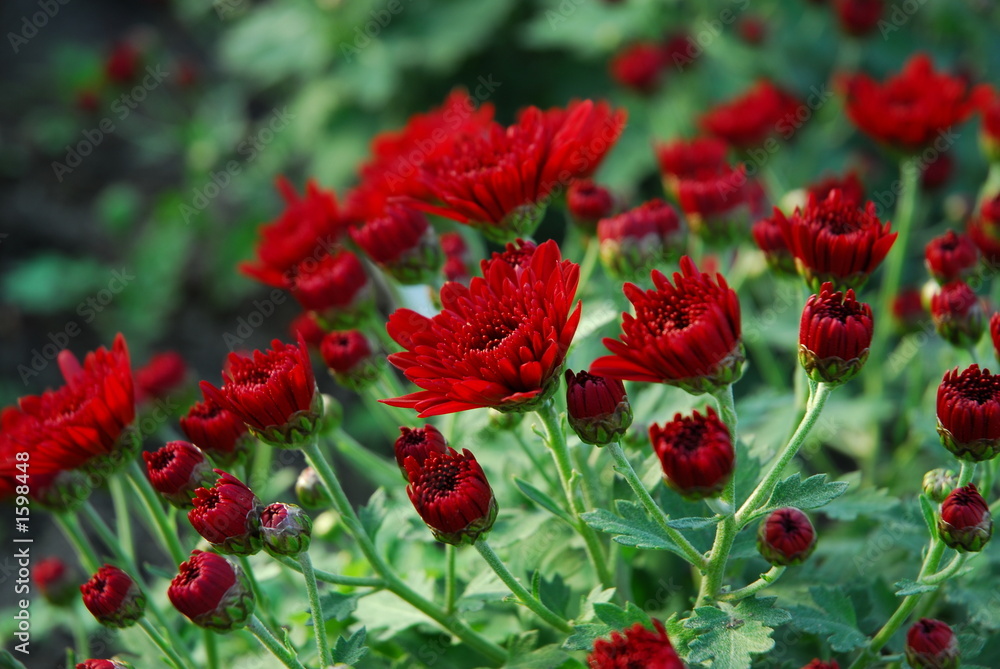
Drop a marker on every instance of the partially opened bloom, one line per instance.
(637, 646)
(597, 407)
(849, 185)
(178, 469)
(958, 314)
(686, 333)
(639, 67)
(215, 430)
(748, 120)
(635, 241)
(285, 528)
(686, 159)
(305, 323)
(835, 334)
(418, 443)
(968, 413)
(719, 206)
(402, 243)
(499, 343)
(160, 377)
(103, 664)
(588, 203)
(950, 256)
(984, 228)
(450, 492)
(859, 17)
(227, 515)
(113, 597)
(351, 358)
(56, 580)
(767, 234)
(931, 644)
(213, 592)
(965, 523)
(786, 537)
(336, 289)
(696, 453)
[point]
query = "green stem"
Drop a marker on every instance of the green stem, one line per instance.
(154, 512)
(560, 453)
(165, 647)
(80, 640)
(287, 658)
(122, 519)
(211, 649)
(318, 619)
(624, 467)
(258, 594)
(391, 580)
(542, 611)
(986, 482)
(906, 207)
(334, 579)
(966, 474)
(589, 261)
(449, 578)
(766, 579)
(535, 462)
(940, 577)
(259, 466)
(81, 544)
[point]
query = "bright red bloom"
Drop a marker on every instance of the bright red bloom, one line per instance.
(834, 240)
(160, 377)
(908, 311)
(499, 343)
(958, 314)
(968, 413)
(350, 358)
(819, 664)
(910, 110)
(517, 254)
(835, 334)
(686, 334)
(307, 229)
(215, 430)
(696, 453)
(402, 243)
(984, 228)
(965, 523)
(178, 469)
(274, 392)
(456, 270)
(336, 288)
(748, 120)
(637, 240)
(212, 592)
(55, 580)
(951, 256)
(767, 234)
(719, 206)
(636, 646)
(588, 203)
(691, 158)
(227, 515)
(859, 17)
(122, 64)
(786, 537)
(113, 597)
(851, 189)
(450, 492)
(306, 325)
(931, 644)
(103, 664)
(418, 443)
(597, 407)
(639, 67)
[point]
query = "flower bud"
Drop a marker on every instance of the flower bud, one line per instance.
(228, 516)
(177, 470)
(636, 646)
(588, 203)
(103, 664)
(310, 490)
(835, 334)
(335, 288)
(217, 431)
(402, 243)
(113, 597)
(597, 408)
(820, 664)
(965, 523)
(958, 315)
(938, 483)
(767, 234)
(931, 644)
(213, 592)
(418, 443)
(950, 257)
(696, 453)
(718, 205)
(286, 529)
(786, 537)
(450, 492)
(56, 581)
(968, 413)
(638, 239)
(350, 358)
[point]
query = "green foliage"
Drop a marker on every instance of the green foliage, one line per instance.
(731, 636)
(833, 619)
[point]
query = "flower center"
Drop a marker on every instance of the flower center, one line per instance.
(161, 459)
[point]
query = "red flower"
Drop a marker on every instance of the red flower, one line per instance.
(984, 228)
(113, 597)
(849, 185)
(835, 334)
(286, 529)
(103, 664)
(639, 67)
(931, 644)
(350, 359)
(908, 311)
(937, 172)
(212, 592)
(767, 234)
(913, 108)
(965, 523)
(55, 580)
(786, 537)
(859, 17)
(177, 470)
(160, 377)
(122, 64)
(951, 256)
(517, 254)
(450, 492)
(989, 133)
(686, 334)
(958, 314)
(499, 343)
(719, 206)
(748, 120)
(454, 246)
(227, 515)
(685, 159)
(968, 413)
(819, 664)
(336, 289)
(834, 240)
(456, 270)
(680, 49)
(307, 229)
(636, 646)
(588, 203)
(306, 325)
(596, 407)
(753, 30)
(402, 243)
(696, 453)
(995, 333)
(636, 240)
(215, 430)
(418, 443)
(274, 393)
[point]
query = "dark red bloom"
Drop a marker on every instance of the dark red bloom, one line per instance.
(951, 256)
(965, 523)
(113, 597)
(637, 646)
(685, 159)
(219, 432)
(820, 664)
(454, 246)
(588, 203)
(285, 528)
(307, 229)
(160, 377)
(639, 67)
(517, 254)
(55, 580)
(958, 314)
(931, 644)
(767, 234)
(835, 334)
(833, 240)
(499, 343)
(968, 413)
(122, 64)
(696, 453)
(851, 189)
(212, 591)
(719, 206)
(306, 325)
(450, 492)
(350, 358)
(597, 407)
(456, 270)
(937, 172)
(753, 30)
(680, 49)
(753, 117)
(786, 537)
(995, 333)
(859, 17)
(227, 515)
(908, 311)
(686, 334)
(910, 110)
(103, 664)
(418, 443)
(402, 243)
(634, 241)
(274, 393)
(178, 469)
(336, 289)
(984, 228)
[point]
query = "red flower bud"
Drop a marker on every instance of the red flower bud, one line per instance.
(217, 431)
(306, 325)
(786, 537)
(597, 408)
(638, 239)
(588, 203)
(161, 376)
(696, 453)
(310, 490)
(113, 597)
(859, 17)
(968, 413)
(767, 234)
(931, 644)
(819, 664)
(450, 492)
(212, 591)
(984, 228)
(747, 121)
(958, 314)
(402, 243)
(349, 356)
(335, 288)
(639, 67)
(687, 159)
(286, 529)
(56, 581)
(965, 523)
(849, 185)
(637, 646)
(950, 256)
(418, 443)
(122, 64)
(719, 205)
(103, 664)
(177, 470)
(835, 334)
(228, 516)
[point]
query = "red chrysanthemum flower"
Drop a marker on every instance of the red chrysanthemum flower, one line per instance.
(56, 580)
(753, 117)
(306, 325)
(820, 664)
(951, 256)
(689, 159)
(402, 243)
(639, 67)
(178, 469)
(597, 407)
(219, 432)
(103, 664)
(696, 453)
(113, 597)
(637, 646)
(517, 254)
(418, 443)
(767, 234)
(833, 240)
(786, 537)
(913, 108)
(835, 334)
(274, 393)
(499, 343)
(908, 312)
(351, 359)
(984, 228)
(635, 241)
(719, 206)
(588, 203)
(931, 644)
(995, 333)
(450, 492)
(212, 591)
(851, 189)
(160, 377)
(968, 413)
(286, 529)
(686, 334)
(681, 49)
(336, 289)
(965, 523)
(859, 17)
(227, 515)
(122, 63)
(958, 314)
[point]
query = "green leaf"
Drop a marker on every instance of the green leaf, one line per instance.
(373, 514)
(731, 636)
(930, 515)
(585, 635)
(632, 528)
(908, 586)
(546, 657)
(694, 523)
(612, 618)
(812, 493)
(339, 606)
(835, 619)
(862, 502)
(542, 500)
(350, 651)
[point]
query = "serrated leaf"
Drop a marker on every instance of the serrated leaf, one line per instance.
(546, 657)
(731, 636)
(835, 619)
(694, 523)
(862, 502)
(373, 514)
(811, 493)
(930, 516)
(543, 500)
(349, 651)
(618, 618)
(585, 635)
(632, 528)
(906, 587)
(338, 606)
